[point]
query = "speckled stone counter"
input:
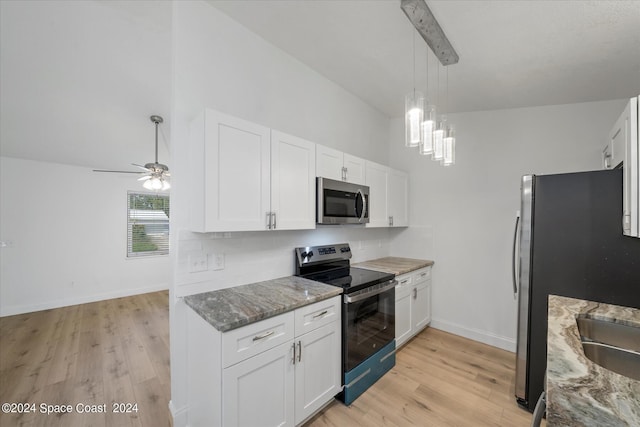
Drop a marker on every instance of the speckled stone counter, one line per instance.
(231, 308)
(394, 265)
(580, 392)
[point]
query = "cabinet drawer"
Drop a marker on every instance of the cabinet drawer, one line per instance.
(318, 314)
(242, 343)
(404, 281)
(422, 274)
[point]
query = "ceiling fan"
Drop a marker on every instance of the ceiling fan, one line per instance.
(156, 174)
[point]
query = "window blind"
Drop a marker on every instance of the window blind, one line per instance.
(147, 224)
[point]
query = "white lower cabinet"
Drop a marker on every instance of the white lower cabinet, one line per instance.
(413, 304)
(276, 372)
(258, 391)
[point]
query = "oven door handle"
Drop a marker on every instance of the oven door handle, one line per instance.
(360, 295)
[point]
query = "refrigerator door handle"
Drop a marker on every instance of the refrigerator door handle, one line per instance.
(513, 257)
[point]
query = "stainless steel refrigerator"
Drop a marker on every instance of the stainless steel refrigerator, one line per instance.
(568, 242)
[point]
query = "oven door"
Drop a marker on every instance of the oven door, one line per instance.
(368, 322)
(341, 202)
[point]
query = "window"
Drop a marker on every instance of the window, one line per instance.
(147, 224)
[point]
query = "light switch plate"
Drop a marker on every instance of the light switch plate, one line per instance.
(216, 261)
(198, 263)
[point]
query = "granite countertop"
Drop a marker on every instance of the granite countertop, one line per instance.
(580, 392)
(231, 308)
(394, 265)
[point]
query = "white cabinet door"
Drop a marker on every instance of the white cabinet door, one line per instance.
(623, 140)
(335, 164)
(230, 184)
(354, 169)
(329, 163)
(293, 176)
(420, 311)
(377, 178)
(398, 194)
(403, 316)
(317, 369)
(260, 390)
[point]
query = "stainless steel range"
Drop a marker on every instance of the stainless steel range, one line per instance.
(368, 314)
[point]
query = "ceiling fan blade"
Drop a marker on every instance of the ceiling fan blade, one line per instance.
(144, 178)
(140, 166)
(114, 171)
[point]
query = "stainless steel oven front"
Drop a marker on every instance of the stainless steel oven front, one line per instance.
(368, 322)
(341, 202)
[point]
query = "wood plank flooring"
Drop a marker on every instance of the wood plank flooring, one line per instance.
(118, 351)
(113, 351)
(439, 379)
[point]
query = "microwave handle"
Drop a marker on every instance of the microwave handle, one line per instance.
(364, 206)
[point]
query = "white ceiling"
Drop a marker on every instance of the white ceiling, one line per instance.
(512, 53)
(79, 79)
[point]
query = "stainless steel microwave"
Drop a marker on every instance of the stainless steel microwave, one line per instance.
(341, 202)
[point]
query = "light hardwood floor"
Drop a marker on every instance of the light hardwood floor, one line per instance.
(99, 353)
(439, 379)
(118, 351)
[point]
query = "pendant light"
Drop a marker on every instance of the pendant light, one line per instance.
(413, 110)
(438, 133)
(449, 141)
(428, 124)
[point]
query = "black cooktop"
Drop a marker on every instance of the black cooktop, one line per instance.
(350, 279)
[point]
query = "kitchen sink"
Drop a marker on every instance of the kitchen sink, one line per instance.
(614, 346)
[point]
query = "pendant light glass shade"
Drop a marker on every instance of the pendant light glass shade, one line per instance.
(438, 138)
(449, 148)
(414, 116)
(428, 126)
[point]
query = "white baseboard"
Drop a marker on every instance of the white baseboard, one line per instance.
(179, 415)
(476, 335)
(28, 308)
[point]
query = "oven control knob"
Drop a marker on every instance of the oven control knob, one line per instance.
(309, 254)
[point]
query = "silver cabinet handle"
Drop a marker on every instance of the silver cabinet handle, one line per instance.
(346, 174)
(390, 220)
(404, 281)
(423, 274)
(299, 351)
(263, 336)
(321, 314)
(268, 220)
(415, 293)
(274, 220)
(294, 353)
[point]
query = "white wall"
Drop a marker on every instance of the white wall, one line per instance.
(463, 216)
(66, 230)
(220, 64)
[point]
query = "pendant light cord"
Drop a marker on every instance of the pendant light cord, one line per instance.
(414, 64)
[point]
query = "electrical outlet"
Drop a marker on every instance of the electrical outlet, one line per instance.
(216, 261)
(197, 263)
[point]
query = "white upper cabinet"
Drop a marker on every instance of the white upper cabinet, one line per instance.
(398, 205)
(623, 148)
(230, 167)
(388, 196)
(293, 178)
(245, 177)
(354, 169)
(335, 164)
(377, 181)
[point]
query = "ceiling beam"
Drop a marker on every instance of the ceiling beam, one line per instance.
(421, 17)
